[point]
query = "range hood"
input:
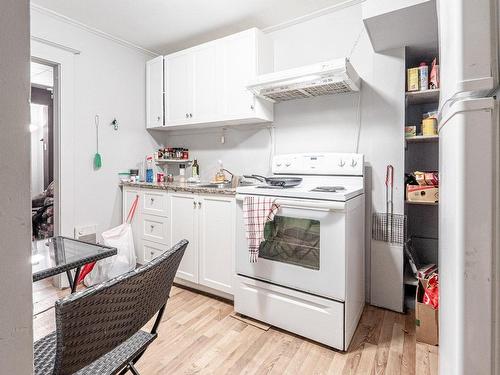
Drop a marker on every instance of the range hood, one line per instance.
(326, 78)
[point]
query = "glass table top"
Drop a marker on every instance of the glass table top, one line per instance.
(56, 255)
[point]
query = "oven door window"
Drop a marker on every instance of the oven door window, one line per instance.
(292, 240)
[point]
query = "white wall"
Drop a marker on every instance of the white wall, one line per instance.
(16, 310)
(325, 123)
(109, 81)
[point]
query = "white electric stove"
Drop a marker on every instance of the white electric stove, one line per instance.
(309, 278)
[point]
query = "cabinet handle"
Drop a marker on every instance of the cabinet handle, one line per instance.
(187, 115)
(199, 204)
(252, 107)
(152, 255)
(194, 204)
(152, 227)
(158, 118)
(152, 200)
(190, 115)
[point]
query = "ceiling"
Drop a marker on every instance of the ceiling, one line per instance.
(170, 25)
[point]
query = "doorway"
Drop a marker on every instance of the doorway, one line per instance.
(42, 149)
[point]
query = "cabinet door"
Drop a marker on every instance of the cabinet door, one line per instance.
(179, 87)
(154, 93)
(217, 242)
(240, 59)
(184, 225)
(129, 195)
(205, 83)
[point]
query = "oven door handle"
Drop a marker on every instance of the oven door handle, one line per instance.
(310, 205)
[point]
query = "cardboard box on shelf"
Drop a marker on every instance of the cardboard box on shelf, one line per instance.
(418, 193)
(426, 318)
(413, 79)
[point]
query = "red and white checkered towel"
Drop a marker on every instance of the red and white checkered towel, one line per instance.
(257, 211)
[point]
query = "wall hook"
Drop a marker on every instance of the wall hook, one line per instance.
(114, 123)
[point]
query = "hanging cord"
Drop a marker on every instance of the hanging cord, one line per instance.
(272, 147)
(358, 120)
(356, 42)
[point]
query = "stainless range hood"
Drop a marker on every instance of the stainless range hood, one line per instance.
(327, 78)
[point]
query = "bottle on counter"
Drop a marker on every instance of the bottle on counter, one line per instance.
(149, 170)
(195, 169)
(182, 172)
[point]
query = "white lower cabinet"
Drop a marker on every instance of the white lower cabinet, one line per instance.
(217, 242)
(206, 221)
(184, 225)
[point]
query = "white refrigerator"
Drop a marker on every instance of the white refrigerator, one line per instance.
(468, 207)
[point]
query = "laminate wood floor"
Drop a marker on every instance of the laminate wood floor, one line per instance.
(198, 336)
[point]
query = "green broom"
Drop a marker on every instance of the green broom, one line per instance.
(97, 156)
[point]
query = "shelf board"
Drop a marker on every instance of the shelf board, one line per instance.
(173, 161)
(422, 139)
(422, 203)
(410, 279)
(422, 97)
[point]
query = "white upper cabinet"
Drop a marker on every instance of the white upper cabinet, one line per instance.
(179, 88)
(154, 93)
(206, 85)
(239, 64)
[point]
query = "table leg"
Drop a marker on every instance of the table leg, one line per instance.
(75, 282)
(70, 278)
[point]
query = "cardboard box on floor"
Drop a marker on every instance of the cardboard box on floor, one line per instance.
(426, 318)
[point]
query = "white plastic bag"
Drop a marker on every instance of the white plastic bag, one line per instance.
(122, 238)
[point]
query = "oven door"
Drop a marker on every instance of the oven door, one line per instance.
(303, 249)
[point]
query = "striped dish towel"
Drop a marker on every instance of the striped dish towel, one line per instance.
(256, 212)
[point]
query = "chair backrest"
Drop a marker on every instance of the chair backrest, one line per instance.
(93, 322)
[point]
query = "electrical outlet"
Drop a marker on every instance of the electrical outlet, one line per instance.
(87, 233)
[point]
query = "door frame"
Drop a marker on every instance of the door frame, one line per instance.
(64, 115)
(45, 96)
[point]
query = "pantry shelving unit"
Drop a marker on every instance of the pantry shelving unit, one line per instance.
(421, 154)
(422, 97)
(422, 138)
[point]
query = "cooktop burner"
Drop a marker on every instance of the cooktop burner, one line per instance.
(274, 187)
(329, 189)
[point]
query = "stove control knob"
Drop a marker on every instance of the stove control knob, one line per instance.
(354, 163)
(341, 163)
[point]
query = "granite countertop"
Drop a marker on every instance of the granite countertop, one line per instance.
(181, 187)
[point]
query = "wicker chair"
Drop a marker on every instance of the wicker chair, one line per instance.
(98, 330)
